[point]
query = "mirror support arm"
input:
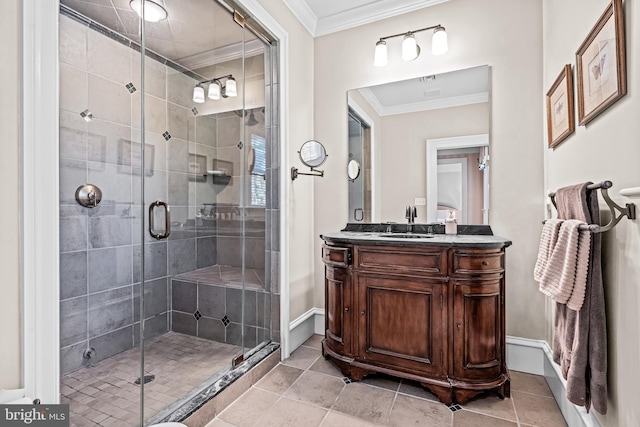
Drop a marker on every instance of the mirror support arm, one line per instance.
(295, 173)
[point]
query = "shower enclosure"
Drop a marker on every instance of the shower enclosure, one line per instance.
(169, 259)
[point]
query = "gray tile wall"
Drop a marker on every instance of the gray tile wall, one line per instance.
(99, 248)
(215, 312)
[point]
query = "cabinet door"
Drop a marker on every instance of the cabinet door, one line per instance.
(401, 323)
(339, 311)
(477, 328)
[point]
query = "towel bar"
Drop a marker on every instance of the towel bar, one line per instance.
(629, 210)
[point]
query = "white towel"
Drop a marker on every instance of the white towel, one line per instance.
(562, 270)
(547, 242)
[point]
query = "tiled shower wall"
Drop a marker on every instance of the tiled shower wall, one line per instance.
(99, 131)
(99, 257)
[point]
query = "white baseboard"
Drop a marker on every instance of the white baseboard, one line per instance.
(536, 357)
(302, 328)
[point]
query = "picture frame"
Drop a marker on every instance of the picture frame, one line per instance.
(560, 112)
(601, 65)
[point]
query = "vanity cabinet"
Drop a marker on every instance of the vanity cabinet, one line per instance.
(433, 313)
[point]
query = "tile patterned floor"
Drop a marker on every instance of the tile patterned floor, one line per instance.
(307, 391)
(105, 394)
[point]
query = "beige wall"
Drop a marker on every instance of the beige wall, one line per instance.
(503, 34)
(606, 149)
(10, 374)
(300, 129)
(404, 152)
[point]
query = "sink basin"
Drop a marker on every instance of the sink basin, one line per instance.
(406, 236)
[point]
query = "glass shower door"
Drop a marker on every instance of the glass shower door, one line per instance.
(168, 277)
(214, 256)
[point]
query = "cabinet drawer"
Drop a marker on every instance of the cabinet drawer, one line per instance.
(431, 261)
(336, 256)
(481, 261)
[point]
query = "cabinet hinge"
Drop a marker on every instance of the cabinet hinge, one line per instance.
(441, 301)
(349, 257)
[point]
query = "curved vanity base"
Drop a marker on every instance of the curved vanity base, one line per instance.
(463, 394)
(444, 394)
(446, 390)
(430, 310)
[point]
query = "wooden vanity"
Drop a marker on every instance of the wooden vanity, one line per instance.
(428, 309)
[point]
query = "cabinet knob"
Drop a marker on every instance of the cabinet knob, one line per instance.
(346, 309)
(458, 325)
(485, 263)
(362, 312)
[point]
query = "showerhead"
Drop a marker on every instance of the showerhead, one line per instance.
(252, 120)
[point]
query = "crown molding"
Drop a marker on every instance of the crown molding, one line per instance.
(353, 17)
(222, 54)
(454, 101)
(305, 15)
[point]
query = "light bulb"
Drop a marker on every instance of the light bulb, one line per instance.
(198, 94)
(214, 90)
(410, 49)
(153, 12)
(380, 55)
(230, 88)
(439, 41)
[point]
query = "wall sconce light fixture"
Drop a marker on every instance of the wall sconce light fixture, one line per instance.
(216, 89)
(410, 47)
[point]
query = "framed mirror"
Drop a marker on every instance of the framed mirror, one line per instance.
(391, 125)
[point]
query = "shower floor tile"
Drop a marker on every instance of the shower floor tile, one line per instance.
(104, 394)
(225, 275)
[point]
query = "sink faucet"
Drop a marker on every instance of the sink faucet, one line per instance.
(411, 214)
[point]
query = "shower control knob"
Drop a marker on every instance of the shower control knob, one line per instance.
(88, 195)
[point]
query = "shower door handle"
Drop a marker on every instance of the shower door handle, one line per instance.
(167, 220)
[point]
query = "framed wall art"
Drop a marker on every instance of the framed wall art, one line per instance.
(600, 65)
(560, 118)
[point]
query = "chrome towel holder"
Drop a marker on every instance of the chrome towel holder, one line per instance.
(629, 210)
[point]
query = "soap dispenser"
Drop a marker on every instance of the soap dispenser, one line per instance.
(450, 224)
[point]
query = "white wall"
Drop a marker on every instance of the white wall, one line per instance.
(607, 148)
(507, 36)
(9, 183)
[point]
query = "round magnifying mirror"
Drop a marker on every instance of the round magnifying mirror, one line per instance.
(353, 170)
(312, 154)
(251, 160)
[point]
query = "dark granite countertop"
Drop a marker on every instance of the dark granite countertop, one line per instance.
(376, 235)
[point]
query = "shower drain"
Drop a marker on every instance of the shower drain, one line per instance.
(146, 379)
